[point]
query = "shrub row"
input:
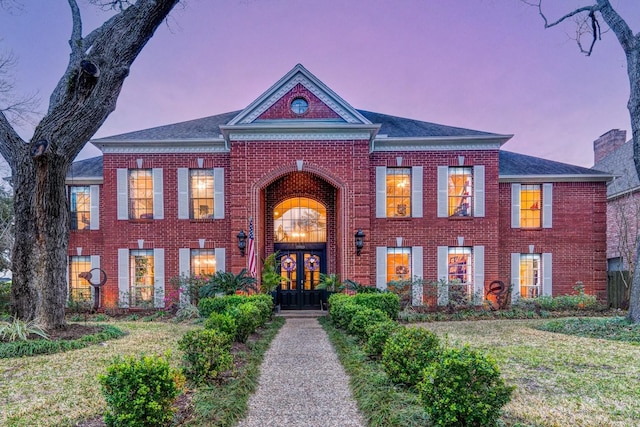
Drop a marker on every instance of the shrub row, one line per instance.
(42, 346)
(456, 386)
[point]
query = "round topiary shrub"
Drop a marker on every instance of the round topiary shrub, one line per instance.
(223, 322)
(207, 354)
(463, 388)
(378, 334)
(363, 317)
(248, 319)
(140, 392)
(407, 352)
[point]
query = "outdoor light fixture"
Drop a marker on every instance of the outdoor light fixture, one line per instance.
(242, 242)
(359, 241)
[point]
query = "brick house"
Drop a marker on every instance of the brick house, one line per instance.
(309, 171)
(614, 154)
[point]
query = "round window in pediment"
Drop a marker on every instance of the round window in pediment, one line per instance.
(299, 106)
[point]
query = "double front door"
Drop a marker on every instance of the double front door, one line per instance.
(300, 270)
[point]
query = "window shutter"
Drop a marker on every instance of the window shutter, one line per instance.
(478, 274)
(381, 267)
(218, 193)
(478, 191)
(416, 191)
(220, 254)
(547, 205)
(547, 275)
(123, 277)
(416, 273)
(158, 194)
(184, 264)
(381, 193)
(443, 275)
(158, 286)
(95, 263)
(515, 277)
(515, 205)
(68, 281)
(122, 178)
(94, 220)
(443, 191)
(183, 193)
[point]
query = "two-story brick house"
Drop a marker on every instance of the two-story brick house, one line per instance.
(309, 171)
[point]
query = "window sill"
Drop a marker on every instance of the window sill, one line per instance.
(461, 218)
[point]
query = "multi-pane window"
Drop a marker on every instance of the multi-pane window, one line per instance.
(80, 207)
(79, 288)
(398, 264)
(459, 264)
(203, 261)
(141, 278)
(140, 194)
(398, 192)
(530, 275)
(530, 206)
(460, 191)
(300, 219)
(201, 193)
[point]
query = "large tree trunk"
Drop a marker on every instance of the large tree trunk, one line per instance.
(633, 69)
(83, 99)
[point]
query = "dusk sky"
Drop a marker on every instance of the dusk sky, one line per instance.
(479, 64)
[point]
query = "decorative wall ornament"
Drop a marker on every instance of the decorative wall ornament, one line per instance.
(287, 263)
(312, 263)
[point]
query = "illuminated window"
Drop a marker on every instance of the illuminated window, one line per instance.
(530, 204)
(79, 288)
(459, 264)
(398, 264)
(530, 275)
(141, 278)
(140, 194)
(460, 191)
(201, 193)
(203, 261)
(398, 192)
(300, 220)
(80, 207)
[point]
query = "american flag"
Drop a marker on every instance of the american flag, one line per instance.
(252, 250)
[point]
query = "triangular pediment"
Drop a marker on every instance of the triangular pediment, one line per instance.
(299, 84)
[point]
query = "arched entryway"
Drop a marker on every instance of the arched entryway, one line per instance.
(300, 210)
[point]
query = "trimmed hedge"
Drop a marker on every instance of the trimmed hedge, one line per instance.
(42, 346)
(207, 354)
(206, 306)
(386, 301)
(362, 318)
(378, 334)
(223, 322)
(407, 352)
(248, 319)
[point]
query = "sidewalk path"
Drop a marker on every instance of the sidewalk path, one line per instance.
(302, 383)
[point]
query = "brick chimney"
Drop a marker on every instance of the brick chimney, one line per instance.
(608, 142)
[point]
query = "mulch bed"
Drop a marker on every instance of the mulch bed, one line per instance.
(73, 331)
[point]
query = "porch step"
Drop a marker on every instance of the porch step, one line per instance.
(301, 314)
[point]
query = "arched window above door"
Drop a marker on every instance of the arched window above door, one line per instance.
(300, 219)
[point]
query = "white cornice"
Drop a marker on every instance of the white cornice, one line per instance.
(448, 143)
(84, 180)
(555, 178)
(299, 131)
(139, 146)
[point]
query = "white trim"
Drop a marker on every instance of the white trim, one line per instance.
(183, 193)
(381, 192)
(158, 277)
(535, 179)
(158, 193)
(516, 190)
(515, 277)
(417, 173)
(547, 205)
(478, 191)
(94, 213)
(184, 265)
(443, 275)
(381, 267)
(221, 255)
(417, 293)
(123, 277)
(122, 189)
(95, 263)
(218, 193)
(547, 274)
(478, 275)
(443, 191)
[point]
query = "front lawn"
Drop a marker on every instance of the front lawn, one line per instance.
(60, 389)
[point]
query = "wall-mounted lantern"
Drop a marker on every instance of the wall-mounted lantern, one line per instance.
(242, 241)
(359, 236)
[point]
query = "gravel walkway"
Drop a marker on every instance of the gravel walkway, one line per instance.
(302, 383)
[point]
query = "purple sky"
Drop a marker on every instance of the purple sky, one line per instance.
(480, 64)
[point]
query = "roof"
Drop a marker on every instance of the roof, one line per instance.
(518, 166)
(86, 169)
(620, 163)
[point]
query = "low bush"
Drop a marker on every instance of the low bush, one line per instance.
(378, 334)
(342, 314)
(248, 319)
(19, 330)
(206, 306)
(363, 317)
(387, 302)
(265, 305)
(140, 392)
(5, 297)
(223, 322)
(407, 352)
(42, 346)
(463, 388)
(207, 354)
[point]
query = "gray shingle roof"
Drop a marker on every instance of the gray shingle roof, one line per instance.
(87, 168)
(521, 164)
(208, 127)
(620, 164)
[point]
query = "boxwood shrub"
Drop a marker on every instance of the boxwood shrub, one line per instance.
(362, 317)
(463, 388)
(248, 319)
(386, 301)
(223, 322)
(206, 306)
(407, 352)
(207, 354)
(377, 336)
(264, 303)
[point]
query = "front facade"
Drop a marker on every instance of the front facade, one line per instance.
(300, 172)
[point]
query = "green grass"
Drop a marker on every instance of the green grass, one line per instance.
(226, 404)
(614, 328)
